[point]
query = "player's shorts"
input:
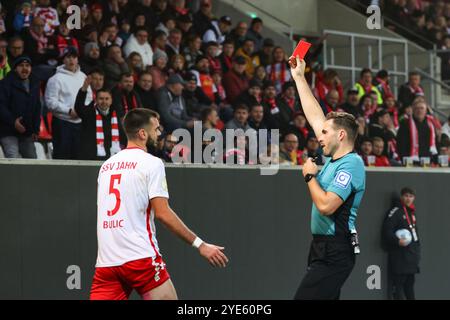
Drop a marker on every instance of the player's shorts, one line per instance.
(117, 283)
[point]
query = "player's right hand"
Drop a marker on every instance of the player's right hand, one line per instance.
(297, 68)
(213, 254)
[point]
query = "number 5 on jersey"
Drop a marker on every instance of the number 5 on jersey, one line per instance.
(116, 192)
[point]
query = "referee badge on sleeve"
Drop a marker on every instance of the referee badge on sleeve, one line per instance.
(342, 179)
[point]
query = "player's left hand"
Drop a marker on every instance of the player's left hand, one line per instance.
(213, 254)
(310, 167)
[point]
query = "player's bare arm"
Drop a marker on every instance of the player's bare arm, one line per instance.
(311, 107)
(170, 219)
(326, 202)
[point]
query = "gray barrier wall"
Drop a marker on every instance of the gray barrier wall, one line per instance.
(48, 223)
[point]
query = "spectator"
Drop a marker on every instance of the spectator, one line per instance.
(15, 48)
(238, 34)
(383, 127)
(23, 18)
(95, 16)
(138, 42)
(151, 20)
(203, 18)
(172, 106)
(204, 79)
(144, 90)
(185, 24)
(138, 21)
(331, 101)
(192, 50)
(299, 128)
(60, 97)
(114, 66)
(226, 57)
(251, 60)
(218, 31)
(378, 151)
(167, 23)
(391, 106)
(159, 41)
(109, 36)
(37, 46)
(235, 81)
(5, 68)
(289, 153)
(288, 104)
(365, 86)
(381, 82)
(135, 65)
(211, 53)
(256, 118)
(124, 97)
(313, 150)
(240, 120)
(367, 106)
(48, 15)
(20, 109)
(125, 32)
(173, 45)
(416, 136)
(160, 8)
(252, 96)
(352, 104)
(91, 58)
(167, 152)
(101, 131)
(446, 130)
(195, 98)
(278, 72)
(265, 54)
(254, 33)
(64, 39)
(176, 65)
(97, 82)
(158, 70)
(410, 90)
(209, 119)
(269, 102)
(403, 256)
(366, 148)
(327, 81)
(260, 73)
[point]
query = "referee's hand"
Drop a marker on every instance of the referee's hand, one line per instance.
(310, 167)
(213, 254)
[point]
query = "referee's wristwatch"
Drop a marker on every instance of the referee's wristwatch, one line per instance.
(308, 177)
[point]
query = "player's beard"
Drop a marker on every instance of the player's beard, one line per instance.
(331, 149)
(151, 144)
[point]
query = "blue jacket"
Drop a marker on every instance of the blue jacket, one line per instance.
(16, 102)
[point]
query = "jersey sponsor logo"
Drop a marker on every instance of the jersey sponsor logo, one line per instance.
(342, 179)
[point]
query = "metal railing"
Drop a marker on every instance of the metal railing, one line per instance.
(395, 71)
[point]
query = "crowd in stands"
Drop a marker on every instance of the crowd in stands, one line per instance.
(74, 86)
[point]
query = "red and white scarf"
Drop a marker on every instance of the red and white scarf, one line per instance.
(42, 41)
(134, 103)
(279, 75)
(414, 137)
(115, 144)
(417, 91)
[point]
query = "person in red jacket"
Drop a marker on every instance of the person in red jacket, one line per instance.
(327, 81)
(235, 81)
(377, 150)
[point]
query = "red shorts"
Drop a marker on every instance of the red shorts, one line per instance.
(116, 283)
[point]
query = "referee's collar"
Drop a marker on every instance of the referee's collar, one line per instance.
(334, 160)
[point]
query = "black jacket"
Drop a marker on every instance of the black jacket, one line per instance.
(88, 145)
(402, 260)
(16, 102)
(404, 141)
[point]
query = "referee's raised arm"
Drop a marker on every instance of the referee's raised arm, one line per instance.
(311, 107)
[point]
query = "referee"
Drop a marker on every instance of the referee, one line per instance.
(336, 192)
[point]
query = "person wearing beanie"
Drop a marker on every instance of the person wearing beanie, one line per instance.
(20, 110)
(91, 58)
(158, 70)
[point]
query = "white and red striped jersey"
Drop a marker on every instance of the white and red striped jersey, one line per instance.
(125, 220)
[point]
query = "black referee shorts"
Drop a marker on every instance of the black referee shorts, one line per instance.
(330, 262)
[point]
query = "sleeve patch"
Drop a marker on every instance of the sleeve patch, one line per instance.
(342, 179)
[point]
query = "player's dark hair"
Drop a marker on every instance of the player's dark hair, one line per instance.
(346, 121)
(137, 119)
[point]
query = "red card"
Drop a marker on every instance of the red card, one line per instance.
(302, 49)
